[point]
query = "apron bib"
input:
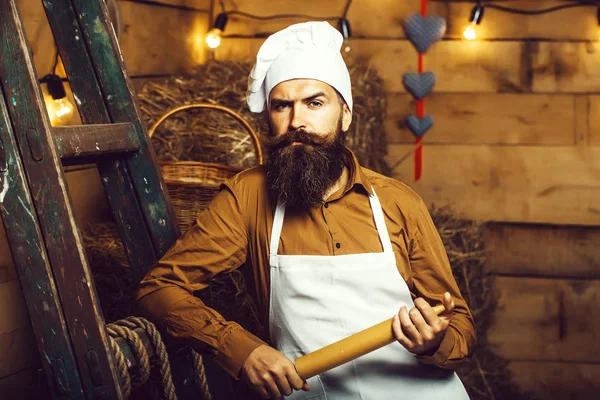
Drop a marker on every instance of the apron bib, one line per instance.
(318, 300)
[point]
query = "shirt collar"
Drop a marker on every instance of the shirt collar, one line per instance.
(356, 177)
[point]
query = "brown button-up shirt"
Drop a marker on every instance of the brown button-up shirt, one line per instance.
(236, 228)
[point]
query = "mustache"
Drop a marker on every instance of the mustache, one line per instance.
(298, 135)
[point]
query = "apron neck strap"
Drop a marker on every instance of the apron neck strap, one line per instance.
(277, 225)
(384, 237)
(380, 222)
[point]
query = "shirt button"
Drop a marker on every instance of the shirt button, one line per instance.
(338, 245)
(326, 205)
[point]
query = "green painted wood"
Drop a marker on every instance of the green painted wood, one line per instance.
(89, 97)
(87, 144)
(122, 107)
(33, 268)
(47, 184)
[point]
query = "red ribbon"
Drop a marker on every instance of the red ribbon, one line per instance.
(420, 113)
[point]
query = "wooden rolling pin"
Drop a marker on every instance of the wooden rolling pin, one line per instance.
(349, 348)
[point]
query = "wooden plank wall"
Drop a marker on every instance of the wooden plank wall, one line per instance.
(517, 119)
(157, 41)
(513, 142)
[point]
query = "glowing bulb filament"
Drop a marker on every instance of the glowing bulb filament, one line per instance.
(63, 108)
(213, 38)
(470, 32)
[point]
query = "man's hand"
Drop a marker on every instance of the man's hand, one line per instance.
(271, 373)
(421, 330)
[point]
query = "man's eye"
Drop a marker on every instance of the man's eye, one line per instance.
(280, 106)
(315, 103)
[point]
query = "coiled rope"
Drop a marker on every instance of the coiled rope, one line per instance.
(125, 329)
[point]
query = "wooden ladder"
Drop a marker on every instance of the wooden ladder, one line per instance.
(36, 208)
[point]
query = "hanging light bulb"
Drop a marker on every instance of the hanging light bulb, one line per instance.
(470, 32)
(59, 107)
(346, 33)
(213, 37)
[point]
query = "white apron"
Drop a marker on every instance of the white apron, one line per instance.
(318, 300)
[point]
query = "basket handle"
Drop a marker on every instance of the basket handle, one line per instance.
(227, 110)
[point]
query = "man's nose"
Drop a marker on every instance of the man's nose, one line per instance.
(297, 119)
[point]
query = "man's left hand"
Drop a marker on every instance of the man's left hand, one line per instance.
(421, 330)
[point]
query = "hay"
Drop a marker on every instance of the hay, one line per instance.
(116, 290)
(110, 269)
(210, 136)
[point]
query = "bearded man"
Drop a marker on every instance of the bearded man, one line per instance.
(334, 248)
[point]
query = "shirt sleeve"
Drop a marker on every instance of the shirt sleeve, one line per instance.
(216, 243)
(432, 277)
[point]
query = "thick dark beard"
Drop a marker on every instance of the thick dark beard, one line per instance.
(300, 175)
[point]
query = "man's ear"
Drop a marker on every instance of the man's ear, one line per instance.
(346, 118)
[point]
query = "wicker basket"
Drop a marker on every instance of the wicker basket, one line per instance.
(193, 184)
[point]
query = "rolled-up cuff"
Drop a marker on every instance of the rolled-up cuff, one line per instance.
(236, 349)
(441, 357)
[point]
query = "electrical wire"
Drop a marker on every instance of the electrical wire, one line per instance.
(346, 9)
(167, 5)
(535, 12)
(55, 65)
(277, 16)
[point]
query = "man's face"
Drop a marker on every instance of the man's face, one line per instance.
(309, 104)
(306, 150)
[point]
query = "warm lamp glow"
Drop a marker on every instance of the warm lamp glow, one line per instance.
(213, 38)
(60, 111)
(470, 32)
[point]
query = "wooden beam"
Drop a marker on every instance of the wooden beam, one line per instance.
(566, 67)
(84, 143)
(555, 185)
(143, 171)
(368, 19)
(485, 118)
(173, 40)
(19, 216)
(543, 250)
(501, 25)
(383, 19)
(546, 319)
(460, 66)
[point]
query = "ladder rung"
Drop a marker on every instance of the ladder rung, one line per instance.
(83, 144)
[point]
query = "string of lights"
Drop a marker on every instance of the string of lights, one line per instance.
(478, 10)
(213, 38)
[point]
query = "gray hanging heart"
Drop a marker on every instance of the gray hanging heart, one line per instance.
(418, 84)
(423, 32)
(419, 126)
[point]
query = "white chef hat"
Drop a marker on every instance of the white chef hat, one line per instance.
(310, 50)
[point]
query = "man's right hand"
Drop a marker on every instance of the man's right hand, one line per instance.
(271, 373)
